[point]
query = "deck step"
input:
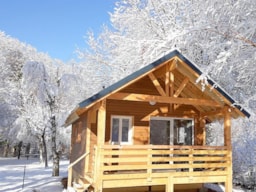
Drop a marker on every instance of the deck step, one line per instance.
(81, 187)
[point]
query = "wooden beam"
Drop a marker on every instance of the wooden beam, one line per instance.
(167, 81)
(218, 113)
(202, 130)
(171, 76)
(163, 99)
(169, 185)
(181, 87)
(229, 177)
(101, 124)
(173, 65)
(96, 106)
(227, 142)
(88, 138)
(156, 84)
(227, 126)
(71, 118)
(193, 76)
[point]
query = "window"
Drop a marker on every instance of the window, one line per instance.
(121, 130)
(171, 131)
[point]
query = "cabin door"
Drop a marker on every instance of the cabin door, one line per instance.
(161, 132)
(171, 131)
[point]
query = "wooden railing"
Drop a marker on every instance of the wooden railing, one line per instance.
(71, 166)
(150, 161)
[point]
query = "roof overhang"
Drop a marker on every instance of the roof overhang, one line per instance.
(88, 103)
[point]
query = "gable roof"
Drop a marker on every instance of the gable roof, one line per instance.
(87, 103)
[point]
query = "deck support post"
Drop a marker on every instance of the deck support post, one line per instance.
(227, 141)
(149, 170)
(202, 123)
(101, 125)
(169, 185)
(200, 131)
(87, 141)
(227, 127)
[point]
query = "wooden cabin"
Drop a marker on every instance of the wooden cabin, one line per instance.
(147, 132)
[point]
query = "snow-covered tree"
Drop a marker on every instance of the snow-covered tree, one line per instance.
(33, 96)
(13, 56)
(35, 112)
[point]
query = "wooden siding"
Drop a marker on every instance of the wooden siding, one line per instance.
(79, 143)
(143, 85)
(93, 138)
(141, 113)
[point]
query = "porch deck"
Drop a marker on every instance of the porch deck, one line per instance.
(149, 165)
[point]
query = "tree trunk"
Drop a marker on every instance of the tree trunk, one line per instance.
(56, 159)
(45, 151)
(56, 163)
(41, 150)
(6, 149)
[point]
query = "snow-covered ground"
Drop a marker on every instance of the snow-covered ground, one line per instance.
(221, 188)
(37, 178)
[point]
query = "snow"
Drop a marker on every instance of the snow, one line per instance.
(37, 177)
(220, 188)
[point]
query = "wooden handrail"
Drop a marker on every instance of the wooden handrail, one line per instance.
(80, 158)
(149, 160)
(71, 165)
(163, 147)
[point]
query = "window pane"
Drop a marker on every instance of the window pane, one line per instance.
(115, 130)
(160, 132)
(183, 131)
(125, 130)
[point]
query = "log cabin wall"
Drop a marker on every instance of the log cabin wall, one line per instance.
(141, 113)
(79, 143)
(92, 137)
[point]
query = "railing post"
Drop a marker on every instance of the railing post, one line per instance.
(98, 169)
(95, 163)
(169, 185)
(191, 161)
(69, 177)
(229, 182)
(149, 163)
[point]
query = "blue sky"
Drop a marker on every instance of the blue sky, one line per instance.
(56, 27)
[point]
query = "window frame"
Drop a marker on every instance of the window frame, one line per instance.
(130, 130)
(171, 120)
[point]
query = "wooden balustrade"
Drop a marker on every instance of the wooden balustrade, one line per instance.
(150, 161)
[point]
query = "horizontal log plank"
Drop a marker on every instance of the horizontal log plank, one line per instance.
(124, 175)
(129, 147)
(164, 99)
(164, 159)
(164, 152)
